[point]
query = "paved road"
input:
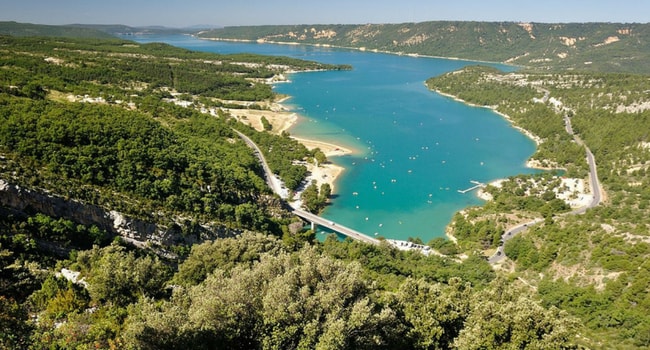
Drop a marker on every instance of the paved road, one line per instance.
(513, 231)
(593, 182)
(593, 171)
(271, 180)
(276, 186)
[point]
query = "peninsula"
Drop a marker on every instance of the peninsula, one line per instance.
(276, 118)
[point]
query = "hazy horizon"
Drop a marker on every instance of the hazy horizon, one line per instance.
(174, 14)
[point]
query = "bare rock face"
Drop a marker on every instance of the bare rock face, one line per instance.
(29, 201)
(296, 227)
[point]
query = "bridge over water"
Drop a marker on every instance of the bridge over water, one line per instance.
(315, 219)
(277, 188)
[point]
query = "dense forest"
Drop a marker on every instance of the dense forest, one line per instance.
(140, 130)
(127, 147)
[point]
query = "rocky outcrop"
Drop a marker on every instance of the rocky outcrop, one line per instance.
(29, 202)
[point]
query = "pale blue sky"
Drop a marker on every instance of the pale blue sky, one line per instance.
(180, 13)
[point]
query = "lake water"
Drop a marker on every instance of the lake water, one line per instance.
(415, 148)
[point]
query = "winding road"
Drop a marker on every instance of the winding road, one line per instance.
(278, 188)
(274, 183)
(596, 190)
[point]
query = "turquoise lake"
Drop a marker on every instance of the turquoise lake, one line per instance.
(415, 148)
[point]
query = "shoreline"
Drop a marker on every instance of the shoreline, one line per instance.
(331, 171)
(362, 49)
(538, 141)
(572, 191)
(281, 120)
(531, 163)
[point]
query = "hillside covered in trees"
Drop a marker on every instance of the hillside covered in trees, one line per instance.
(181, 244)
(28, 29)
(98, 122)
(618, 47)
(101, 125)
(593, 265)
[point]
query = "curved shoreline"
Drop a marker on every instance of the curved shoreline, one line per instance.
(331, 171)
(281, 120)
(362, 49)
(530, 163)
(529, 134)
(585, 196)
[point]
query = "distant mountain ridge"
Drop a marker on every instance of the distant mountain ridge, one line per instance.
(70, 31)
(612, 47)
(604, 47)
(103, 31)
(120, 29)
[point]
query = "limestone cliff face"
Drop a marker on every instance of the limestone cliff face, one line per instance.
(134, 230)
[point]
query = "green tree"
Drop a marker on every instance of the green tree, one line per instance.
(15, 330)
(434, 314)
(325, 192)
(34, 90)
(225, 254)
(117, 276)
(503, 317)
(286, 301)
(319, 156)
(312, 200)
(266, 125)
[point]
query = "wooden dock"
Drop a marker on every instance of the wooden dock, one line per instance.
(476, 185)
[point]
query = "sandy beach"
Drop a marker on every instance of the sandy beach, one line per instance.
(281, 119)
(328, 172)
(330, 149)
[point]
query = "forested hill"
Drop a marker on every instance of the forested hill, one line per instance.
(128, 133)
(613, 47)
(102, 122)
(28, 29)
(102, 31)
